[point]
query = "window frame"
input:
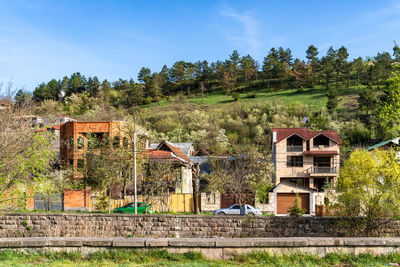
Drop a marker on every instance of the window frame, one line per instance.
(294, 162)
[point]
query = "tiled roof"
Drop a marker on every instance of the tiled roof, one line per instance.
(305, 133)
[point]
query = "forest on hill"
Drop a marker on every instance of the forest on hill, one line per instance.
(223, 105)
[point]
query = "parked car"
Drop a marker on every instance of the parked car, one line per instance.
(142, 208)
(235, 210)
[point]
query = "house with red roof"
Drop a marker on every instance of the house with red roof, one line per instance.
(166, 152)
(305, 162)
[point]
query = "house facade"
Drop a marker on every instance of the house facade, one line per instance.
(305, 163)
(178, 155)
(74, 139)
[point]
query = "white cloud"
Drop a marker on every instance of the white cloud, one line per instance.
(241, 28)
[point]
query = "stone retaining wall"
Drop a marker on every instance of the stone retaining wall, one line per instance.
(215, 248)
(190, 226)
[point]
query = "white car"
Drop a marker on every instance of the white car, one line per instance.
(235, 210)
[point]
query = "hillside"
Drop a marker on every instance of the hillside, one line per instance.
(314, 98)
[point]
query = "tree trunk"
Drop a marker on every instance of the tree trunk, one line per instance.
(124, 190)
(109, 200)
(358, 79)
(195, 175)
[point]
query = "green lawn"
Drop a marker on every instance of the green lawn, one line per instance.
(314, 98)
(126, 257)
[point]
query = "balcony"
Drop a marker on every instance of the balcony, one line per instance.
(294, 149)
(317, 170)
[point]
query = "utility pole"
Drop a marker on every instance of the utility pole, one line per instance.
(134, 163)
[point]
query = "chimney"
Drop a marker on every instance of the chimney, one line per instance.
(273, 137)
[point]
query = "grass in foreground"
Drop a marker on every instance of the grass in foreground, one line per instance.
(126, 257)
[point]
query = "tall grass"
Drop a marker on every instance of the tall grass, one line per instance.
(157, 257)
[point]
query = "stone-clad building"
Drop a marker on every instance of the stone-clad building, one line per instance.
(305, 162)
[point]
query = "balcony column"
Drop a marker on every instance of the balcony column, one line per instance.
(311, 181)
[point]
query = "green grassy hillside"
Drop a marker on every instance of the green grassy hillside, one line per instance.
(314, 98)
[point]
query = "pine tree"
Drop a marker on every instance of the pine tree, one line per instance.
(333, 99)
(296, 211)
(313, 61)
(367, 99)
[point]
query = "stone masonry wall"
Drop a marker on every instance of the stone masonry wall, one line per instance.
(104, 225)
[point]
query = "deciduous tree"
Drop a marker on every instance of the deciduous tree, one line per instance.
(368, 191)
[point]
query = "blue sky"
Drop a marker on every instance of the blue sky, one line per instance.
(41, 40)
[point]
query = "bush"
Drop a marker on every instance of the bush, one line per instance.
(147, 100)
(236, 96)
(300, 90)
(251, 95)
(296, 211)
(263, 192)
(102, 202)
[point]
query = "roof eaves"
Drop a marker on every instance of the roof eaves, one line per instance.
(381, 144)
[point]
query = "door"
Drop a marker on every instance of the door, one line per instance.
(141, 207)
(130, 208)
(286, 200)
(234, 210)
(322, 164)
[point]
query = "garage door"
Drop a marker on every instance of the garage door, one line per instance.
(286, 200)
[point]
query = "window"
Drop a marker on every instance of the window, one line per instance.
(235, 207)
(298, 181)
(106, 141)
(71, 162)
(81, 142)
(295, 161)
(294, 144)
(321, 140)
(116, 142)
(125, 142)
(80, 164)
(95, 140)
(71, 143)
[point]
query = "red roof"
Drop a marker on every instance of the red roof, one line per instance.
(176, 150)
(305, 133)
(321, 153)
(159, 155)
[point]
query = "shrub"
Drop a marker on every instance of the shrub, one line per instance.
(263, 192)
(251, 95)
(102, 202)
(236, 96)
(300, 90)
(296, 211)
(147, 100)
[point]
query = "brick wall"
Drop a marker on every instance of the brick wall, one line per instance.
(104, 225)
(77, 199)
